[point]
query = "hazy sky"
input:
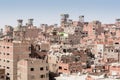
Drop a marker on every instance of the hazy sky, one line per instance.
(48, 11)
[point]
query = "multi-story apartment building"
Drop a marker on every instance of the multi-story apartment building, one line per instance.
(69, 64)
(33, 69)
(10, 53)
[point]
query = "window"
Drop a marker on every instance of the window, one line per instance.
(42, 76)
(116, 50)
(65, 69)
(32, 77)
(41, 68)
(60, 67)
(93, 28)
(8, 61)
(8, 54)
(7, 78)
(8, 67)
(117, 43)
(2, 77)
(46, 67)
(8, 47)
(8, 74)
(112, 50)
(31, 69)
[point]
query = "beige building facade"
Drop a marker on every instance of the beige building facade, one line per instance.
(10, 53)
(33, 69)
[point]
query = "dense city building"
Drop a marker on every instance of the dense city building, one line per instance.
(73, 50)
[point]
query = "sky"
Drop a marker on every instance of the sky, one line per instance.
(48, 11)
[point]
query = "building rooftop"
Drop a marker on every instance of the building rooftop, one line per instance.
(71, 77)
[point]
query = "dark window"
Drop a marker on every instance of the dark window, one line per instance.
(7, 78)
(65, 69)
(8, 54)
(116, 43)
(64, 50)
(8, 74)
(8, 47)
(42, 76)
(112, 50)
(31, 69)
(8, 61)
(8, 67)
(60, 67)
(41, 68)
(2, 77)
